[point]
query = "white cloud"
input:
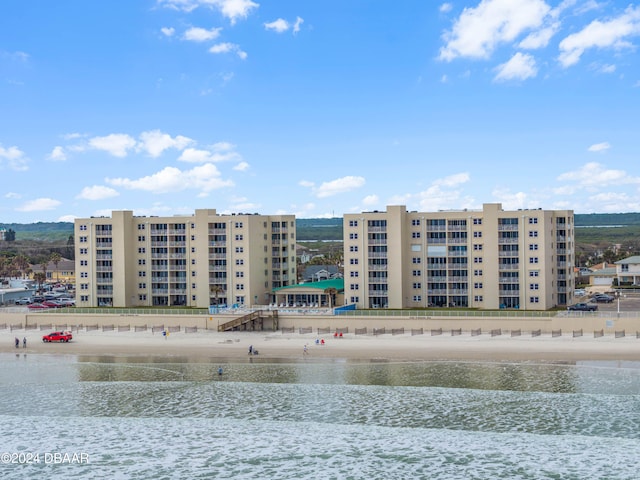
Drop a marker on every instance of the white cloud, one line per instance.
(193, 155)
(445, 8)
(594, 174)
(339, 185)
(371, 200)
(298, 23)
(97, 192)
(12, 195)
(168, 31)
(610, 34)
(197, 34)
(154, 142)
(70, 218)
(227, 47)
(539, 38)
(117, 144)
(453, 180)
(306, 183)
(15, 158)
(478, 31)
(241, 167)
(231, 9)
(512, 201)
(57, 154)
(519, 67)
(72, 136)
(39, 204)
(599, 147)
(280, 25)
(170, 180)
(223, 146)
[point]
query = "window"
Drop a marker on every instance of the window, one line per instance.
(84, 286)
(142, 261)
(533, 286)
(84, 263)
(193, 238)
(142, 250)
(416, 260)
(478, 298)
(415, 234)
(141, 226)
(84, 275)
(240, 299)
(533, 234)
(534, 300)
(142, 273)
(238, 225)
(533, 260)
(533, 221)
(417, 285)
(239, 249)
(193, 298)
(193, 249)
(477, 246)
(477, 285)
(193, 274)
(477, 273)
(534, 273)
(83, 239)
(239, 238)
(354, 286)
(355, 299)
(353, 223)
(239, 274)
(415, 222)
(240, 261)
(353, 274)
(83, 228)
(477, 221)
(353, 261)
(240, 286)
(193, 286)
(84, 298)
(477, 234)
(417, 298)
(193, 261)
(142, 286)
(141, 238)
(353, 236)
(477, 259)
(417, 273)
(533, 246)
(84, 251)
(353, 248)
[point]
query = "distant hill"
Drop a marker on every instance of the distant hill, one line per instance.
(315, 229)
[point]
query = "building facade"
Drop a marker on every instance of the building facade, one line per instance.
(194, 260)
(486, 259)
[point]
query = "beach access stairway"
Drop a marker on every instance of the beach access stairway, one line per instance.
(251, 321)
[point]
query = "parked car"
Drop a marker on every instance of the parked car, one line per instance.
(52, 304)
(37, 306)
(24, 301)
(67, 302)
(582, 307)
(57, 337)
(602, 298)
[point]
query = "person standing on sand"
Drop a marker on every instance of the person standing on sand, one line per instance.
(304, 350)
(17, 342)
(24, 342)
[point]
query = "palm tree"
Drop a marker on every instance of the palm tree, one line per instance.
(21, 264)
(55, 258)
(216, 290)
(40, 277)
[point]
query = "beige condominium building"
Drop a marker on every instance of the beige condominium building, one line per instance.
(486, 259)
(191, 260)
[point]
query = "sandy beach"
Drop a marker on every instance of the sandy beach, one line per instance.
(276, 345)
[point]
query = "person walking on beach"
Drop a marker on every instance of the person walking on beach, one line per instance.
(304, 350)
(24, 342)
(250, 349)
(17, 342)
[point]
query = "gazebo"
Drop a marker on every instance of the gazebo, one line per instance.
(325, 293)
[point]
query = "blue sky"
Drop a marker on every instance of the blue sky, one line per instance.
(317, 108)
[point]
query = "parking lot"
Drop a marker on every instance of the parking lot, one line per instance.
(629, 302)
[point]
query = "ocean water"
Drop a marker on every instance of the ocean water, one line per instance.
(68, 417)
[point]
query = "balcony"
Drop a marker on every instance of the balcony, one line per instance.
(378, 293)
(217, 256)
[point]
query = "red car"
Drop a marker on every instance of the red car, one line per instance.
(37, 306)
(57, 337)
